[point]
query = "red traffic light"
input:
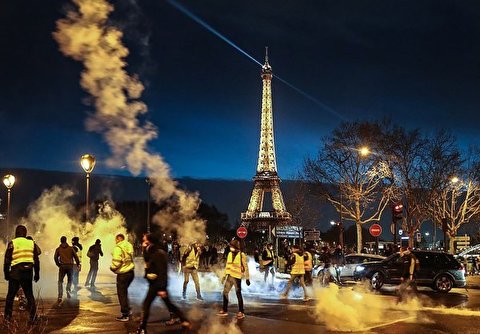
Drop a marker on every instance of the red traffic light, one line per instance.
(398, 208)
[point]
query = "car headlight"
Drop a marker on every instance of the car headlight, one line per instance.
(359, 268)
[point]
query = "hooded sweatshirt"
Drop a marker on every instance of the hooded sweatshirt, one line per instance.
(65, 254)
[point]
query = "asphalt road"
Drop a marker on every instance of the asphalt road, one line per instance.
(332, 310)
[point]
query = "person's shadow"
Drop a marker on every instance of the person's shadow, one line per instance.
(61, 315)
(99, 297)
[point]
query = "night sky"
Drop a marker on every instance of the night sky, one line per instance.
(417, 62)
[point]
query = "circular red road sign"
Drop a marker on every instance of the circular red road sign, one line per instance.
(375, 230)
(242, 232)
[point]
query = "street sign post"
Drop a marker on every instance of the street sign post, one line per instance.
(288, 232)
(242, 232)
(311, 235)
(375, 230)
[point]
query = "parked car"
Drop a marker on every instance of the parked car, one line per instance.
(437, 270)
(351, 262)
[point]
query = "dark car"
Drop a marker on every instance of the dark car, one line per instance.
(437, 270)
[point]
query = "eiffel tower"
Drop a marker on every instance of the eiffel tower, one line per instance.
(266, 180)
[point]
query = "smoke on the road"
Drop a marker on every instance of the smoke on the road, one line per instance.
(356, 309)
(85, 35)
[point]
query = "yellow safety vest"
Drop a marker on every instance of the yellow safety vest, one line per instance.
(298, 267)
(234, 265)
(22, 251)
(308, 262)
(122, 258)
(192, 259)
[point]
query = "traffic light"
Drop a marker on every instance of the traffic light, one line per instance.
(397, 211)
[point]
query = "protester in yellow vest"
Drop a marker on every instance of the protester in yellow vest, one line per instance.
(190, 261)
(268, 261)
(297, 262)
(236, 268)
(21, 261)
(123, 266)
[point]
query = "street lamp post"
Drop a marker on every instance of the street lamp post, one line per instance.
(340, 231)
(149, 186)
(8, 181)
(88, 163)
(426, 235)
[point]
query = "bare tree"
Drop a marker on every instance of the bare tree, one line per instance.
(405, 152)
(356, 184)
(457, 197)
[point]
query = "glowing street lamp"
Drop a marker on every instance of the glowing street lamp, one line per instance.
(8, 181)
(87, 162)
(364, 151)
(454, 179)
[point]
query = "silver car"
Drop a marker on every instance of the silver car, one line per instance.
(351, 262)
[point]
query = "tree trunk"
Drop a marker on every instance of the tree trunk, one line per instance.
(451, 245)
(411, 240)
(359, 237)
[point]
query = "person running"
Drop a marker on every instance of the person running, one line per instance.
(94, 253)
(297, 262)
(20, 265)
(123, 266)
(236, 268)
(156, 272)
(65, 258)
(268, 261)
(77, 247)
(190, 260)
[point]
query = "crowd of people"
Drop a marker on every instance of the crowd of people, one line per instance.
(22, 266)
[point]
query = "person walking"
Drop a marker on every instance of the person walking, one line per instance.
(308, 265)
(65, 258)
(123, 266)
(190, 259)
(94, 253)
(338, 258)
(326, 259)
(297, 263)
(21, 264)
(409, 266)
(268, 262)
(236, 268)
(156, 273)
(77, 247)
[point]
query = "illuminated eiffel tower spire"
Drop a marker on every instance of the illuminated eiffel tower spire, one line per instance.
(266, 179)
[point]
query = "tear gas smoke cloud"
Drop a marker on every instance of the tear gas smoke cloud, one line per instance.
(86, 36)
(357, 309)
(51, 216)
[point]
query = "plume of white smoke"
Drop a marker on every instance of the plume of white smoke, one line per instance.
(86, 36)
(212, 324)
(52, 216)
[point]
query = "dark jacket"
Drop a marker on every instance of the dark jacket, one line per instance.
(156, 267)
(94, 252)
(65, 254)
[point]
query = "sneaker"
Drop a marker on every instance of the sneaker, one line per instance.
(69, 295)
(184, 296)
(141, 330)
(306, 299)
(123, 318)
(59, 300)
(240, 315)
(222, 313)
(283, 296)
(172, 321)
(87, 285)
(199, 298)
(186, 325)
